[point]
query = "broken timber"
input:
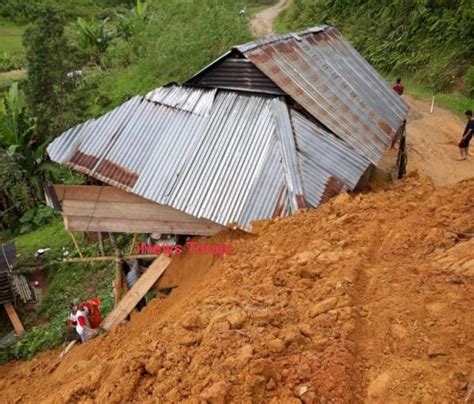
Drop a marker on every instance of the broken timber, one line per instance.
(14, 318)
(141, 287)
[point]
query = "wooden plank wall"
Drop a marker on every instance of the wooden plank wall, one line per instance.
(109, 209)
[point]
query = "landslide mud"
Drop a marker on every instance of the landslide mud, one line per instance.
(366, 299)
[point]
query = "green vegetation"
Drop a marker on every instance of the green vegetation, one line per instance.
(429, 41)
(10, 37)
(46, 324)
(454, 101)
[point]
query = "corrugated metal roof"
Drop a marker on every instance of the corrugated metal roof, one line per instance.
(327, 152)
(331, 81)
(236, 74)
(225, 156)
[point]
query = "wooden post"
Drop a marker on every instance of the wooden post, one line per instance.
(118, 281)
(101, 244)
(132, 246)
(14, 318)
(75, 243)
(118, 270)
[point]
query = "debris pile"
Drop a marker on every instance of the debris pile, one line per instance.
(368, 298)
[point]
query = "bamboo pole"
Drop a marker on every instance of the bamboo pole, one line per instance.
(75, 243)
(109, 258)
(132, 246)
(118, 270)
(101, 244)
(118, 280)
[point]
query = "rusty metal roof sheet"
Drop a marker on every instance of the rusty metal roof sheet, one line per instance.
(221, 155)
(325, 75)
(327, 152)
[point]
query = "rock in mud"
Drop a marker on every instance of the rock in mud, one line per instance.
(237, 319)
(322, 307)
(276, 345)
(217, 393)
(379, 386)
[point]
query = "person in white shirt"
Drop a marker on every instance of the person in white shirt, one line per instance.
(82, 324)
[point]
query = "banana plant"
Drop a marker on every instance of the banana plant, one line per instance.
(94, 35)
(141, 8)
(18, 137)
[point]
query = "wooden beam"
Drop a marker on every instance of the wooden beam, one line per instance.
(109, 258)
(125, 225)
(141, 287)
(94, 193)
(108, 209)
(13, 316)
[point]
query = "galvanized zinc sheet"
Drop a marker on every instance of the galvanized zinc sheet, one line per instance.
(328, 78)
(324, 150)
(236, 74)
(221, 155)
(204, 157)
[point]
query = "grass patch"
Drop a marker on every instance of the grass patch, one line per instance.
(46, 323)
(455, 102)
(10, 37)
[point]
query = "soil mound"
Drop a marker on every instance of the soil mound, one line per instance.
(366, 299)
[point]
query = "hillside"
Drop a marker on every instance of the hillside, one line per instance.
(430, 41)
(365, 299)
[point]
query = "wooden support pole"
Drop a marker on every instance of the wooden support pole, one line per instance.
(132, 246)
(101, 244)
(118, 281)
(75, 243)
(13, 316)
(118, 270)
(109, 258)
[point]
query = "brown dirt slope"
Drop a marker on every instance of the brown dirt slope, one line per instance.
(432, 141)
(367, 299)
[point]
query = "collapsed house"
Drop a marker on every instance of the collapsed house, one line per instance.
(272, 126)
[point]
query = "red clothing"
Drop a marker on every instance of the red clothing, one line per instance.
(95, 317)
(398, 88)
(81, 320)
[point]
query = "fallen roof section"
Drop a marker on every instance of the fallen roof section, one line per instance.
(220, 155)
(326, 76)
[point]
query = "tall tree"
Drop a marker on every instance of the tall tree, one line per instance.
(54, 80)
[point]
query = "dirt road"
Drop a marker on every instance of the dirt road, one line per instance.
(432, 144)
(262, 24)
(432, 138)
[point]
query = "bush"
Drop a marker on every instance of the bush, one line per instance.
(428, 39)
(469, 82)
(11, 61)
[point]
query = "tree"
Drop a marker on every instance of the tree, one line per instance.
(54, 81)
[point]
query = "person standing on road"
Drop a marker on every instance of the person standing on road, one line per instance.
(466, 136)
(398, 87)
